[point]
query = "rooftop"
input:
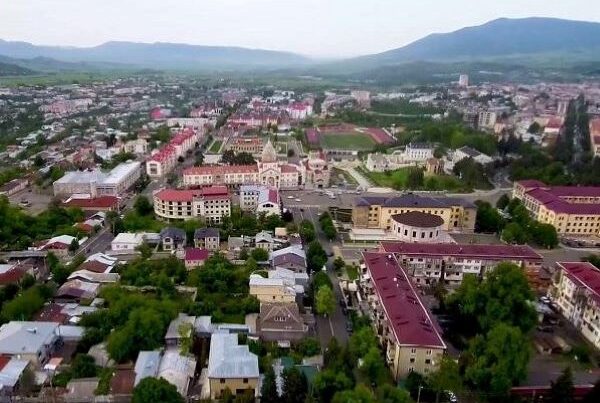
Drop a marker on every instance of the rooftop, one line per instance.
(26, 337)
(409, 200)
(194, 254)
(419, 219)
(584, 274)
(410, 320)
(227, 359)
(496, 251)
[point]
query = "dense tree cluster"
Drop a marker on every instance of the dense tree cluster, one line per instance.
(496, 314)
(156, 390)
(162, 273)
(132, 322)
(327, 226)
(242, 158)
(222, 290)
(472, 173)
(518, 228)
(19, 230)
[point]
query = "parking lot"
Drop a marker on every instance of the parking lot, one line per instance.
(32, 200)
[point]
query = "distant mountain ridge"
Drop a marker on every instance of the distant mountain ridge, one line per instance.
(158, 55)
(498, 38)
(11, 69)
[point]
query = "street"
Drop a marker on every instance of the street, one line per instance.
(334, 325)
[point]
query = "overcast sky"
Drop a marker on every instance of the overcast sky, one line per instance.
(312, 27)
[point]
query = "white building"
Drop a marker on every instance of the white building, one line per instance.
(463, 80)
(468, 152)
(126, 242)
(487, 120)
(418, 152)
(212, 203)
(260, 199)
(97, 183)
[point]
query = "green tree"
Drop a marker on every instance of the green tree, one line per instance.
(74, 245)
(156, 390)
(268, 390)
(307, 231)
(488, 219)
(338, 264)
(446, 377)
(325, 301)
(562, 390)
(514, 233)
(83, 366)
(260, 255)
(315, 256)
(544, 235)
(498, 360)
(295, 386)
(503, 201)
(373, 366)
(415, 178)
(360, 394)
(328, 382)
(387, 393)
(143, 206)
(361, 342)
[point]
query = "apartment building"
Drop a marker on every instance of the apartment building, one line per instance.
(260, 199)
(572, 210)
(576, 291)
(375, 212)
(164, 160)
(407, 333)
(211, 203)
(595, 136)
(97, 183)
(428, 263)
(252, 145)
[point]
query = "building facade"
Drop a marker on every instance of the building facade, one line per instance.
(449, 262)
(97, 183)
(376, 212)
(572, 210)
(403, 325)
(211, 203)
(576, 291)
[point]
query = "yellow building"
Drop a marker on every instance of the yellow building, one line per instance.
(231, 366)
(572, 210)
(403, 325)
(271, 289)
(576, 292)
(377, 212)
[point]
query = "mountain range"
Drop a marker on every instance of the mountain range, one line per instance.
(499, 41)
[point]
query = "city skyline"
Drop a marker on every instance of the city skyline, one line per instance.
(330, 29)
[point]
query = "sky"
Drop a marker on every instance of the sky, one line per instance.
(319, 28)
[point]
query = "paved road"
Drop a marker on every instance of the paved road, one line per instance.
(335, 325)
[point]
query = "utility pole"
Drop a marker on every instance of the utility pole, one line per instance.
(419, 394)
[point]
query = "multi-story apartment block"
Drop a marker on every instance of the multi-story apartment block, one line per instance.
(163, 161)
(376, 212)
(572, 210)
(428, 263)
(97, 183)
(409, 337)
(576, 291)
(260, 199)
(211, 203)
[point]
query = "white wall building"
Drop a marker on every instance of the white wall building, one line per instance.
(97, 183)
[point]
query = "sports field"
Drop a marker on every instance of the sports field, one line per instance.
(347, 141)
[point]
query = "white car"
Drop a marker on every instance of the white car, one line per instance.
(298, 200)
(290, 197)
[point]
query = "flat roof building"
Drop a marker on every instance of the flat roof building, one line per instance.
(97, 183)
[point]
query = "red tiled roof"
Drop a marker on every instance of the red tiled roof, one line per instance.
(220, 169)
(13, 275)
(531, 183)
(287, 168)
(97, 202)
(578, 191)
(408, 317)
(553, 202)
(93, 265)
(501, 252)
(195, 254)
(215, 191)
(122, 382)
(584, 274)
(174, 195)
(51, 313)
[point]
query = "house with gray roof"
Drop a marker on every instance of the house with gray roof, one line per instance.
(231, 366)
(207, 238)
(172, 238)
(31, 341)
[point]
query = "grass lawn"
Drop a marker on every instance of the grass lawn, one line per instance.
(347, 141)
(335, 177)
(216, 146)
(398, 180)
(352, 272)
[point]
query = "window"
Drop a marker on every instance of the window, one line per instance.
(428, 361)
(412, 360)
(428, 352)
(245, 380)
(413, 351)
(222, 380)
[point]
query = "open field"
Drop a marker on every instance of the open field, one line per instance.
(398, 180)
(216, 146)
(347, 141)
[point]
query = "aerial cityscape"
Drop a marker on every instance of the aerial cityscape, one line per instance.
(242, 201)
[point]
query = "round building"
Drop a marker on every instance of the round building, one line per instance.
(416, 226)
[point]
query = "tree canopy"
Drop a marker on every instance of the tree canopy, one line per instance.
(156, 390)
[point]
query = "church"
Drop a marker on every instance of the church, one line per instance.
(268, 172)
